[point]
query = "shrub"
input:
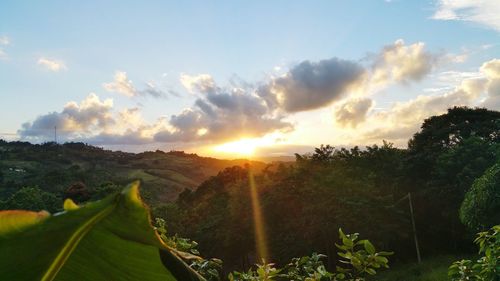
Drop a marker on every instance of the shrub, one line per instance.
(487, 267)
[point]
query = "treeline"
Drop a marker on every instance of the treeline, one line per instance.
(359, 190)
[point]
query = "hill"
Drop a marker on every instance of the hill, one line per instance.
(92, 172)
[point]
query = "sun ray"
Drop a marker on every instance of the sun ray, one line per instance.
(259, 225)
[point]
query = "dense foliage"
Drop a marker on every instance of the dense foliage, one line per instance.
(481, 206)
(358, 258)
(487, 267)
(451, 167)
(360, 190)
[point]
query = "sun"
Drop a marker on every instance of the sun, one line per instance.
(245, 147)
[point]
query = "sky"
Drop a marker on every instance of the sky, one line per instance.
(241, 78)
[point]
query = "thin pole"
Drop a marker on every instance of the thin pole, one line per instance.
(414, 229)
(55, 134)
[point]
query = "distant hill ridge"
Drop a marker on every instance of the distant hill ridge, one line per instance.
(55, 167)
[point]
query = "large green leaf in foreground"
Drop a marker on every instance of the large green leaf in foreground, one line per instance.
(110, 239)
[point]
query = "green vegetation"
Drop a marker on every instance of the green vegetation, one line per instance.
(451, 169)
(487, 267)
(359, 260)
(360, 190)
(431, 269)
(49, 170)
(481, 206)
(108, 239)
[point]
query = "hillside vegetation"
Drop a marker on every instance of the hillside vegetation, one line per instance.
(437, 193)
(40, 176)
(359, 190)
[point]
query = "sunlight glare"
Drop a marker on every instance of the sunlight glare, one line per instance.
(243, 147)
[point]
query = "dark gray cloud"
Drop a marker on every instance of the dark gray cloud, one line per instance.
(219, 115)
(312, 85)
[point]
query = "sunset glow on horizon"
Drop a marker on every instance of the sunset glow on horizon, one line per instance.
(308, 74)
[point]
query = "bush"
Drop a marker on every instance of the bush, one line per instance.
(359, 257)
(32, 198)
(481, 207)
(487, 267)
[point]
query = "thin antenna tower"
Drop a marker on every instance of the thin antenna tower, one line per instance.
(410, 203)
(55, 134)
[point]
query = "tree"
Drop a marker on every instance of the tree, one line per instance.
(461, 165)
(323, 153)
(77, 192)
(440, 133)
(481, 206)
(32, 198)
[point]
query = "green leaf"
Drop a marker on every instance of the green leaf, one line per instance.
(70, 205)
(371, 271)
(369, 247)
(16, 220)
(110, 239)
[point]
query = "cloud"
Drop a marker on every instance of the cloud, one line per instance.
(52, 64)
(403, 119)
(215, 117)
(223, 114)
(251, 110)
(73, 121)
(93, 121)
(122, 85)
(4, 41)
(199, 83)
(483, 12)
(353, 112)
(399, 62)
(491, 70)
(312, 85)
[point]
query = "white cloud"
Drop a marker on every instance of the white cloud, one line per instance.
(3, 54)
(74, 120)
(93, 121)
(122, 85)
(353, 112)
(399, 122)
(400, 62)
(484, 12)
(52, 64)
(491, 70)
(198, 83)
(4, 41)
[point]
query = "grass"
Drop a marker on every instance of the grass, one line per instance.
(432, 269)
